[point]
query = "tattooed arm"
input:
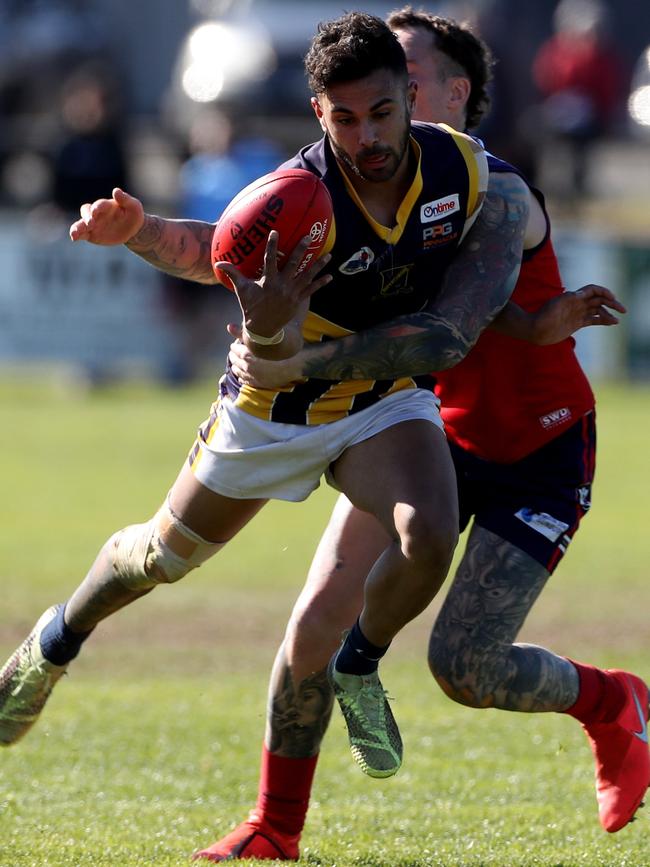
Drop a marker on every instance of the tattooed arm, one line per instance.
(178, 247)
(477, 285)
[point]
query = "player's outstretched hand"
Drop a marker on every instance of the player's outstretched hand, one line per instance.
(561, 317)
(276, 299)
(109, 221)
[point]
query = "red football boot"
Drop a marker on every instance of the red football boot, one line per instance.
(254, 838)
(622, 756)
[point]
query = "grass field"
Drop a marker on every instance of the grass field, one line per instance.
(150, 748)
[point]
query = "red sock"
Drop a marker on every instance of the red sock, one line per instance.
(284, 790)
(600, 698)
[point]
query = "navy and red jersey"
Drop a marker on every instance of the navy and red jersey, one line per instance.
(380, 272)
(508, 397)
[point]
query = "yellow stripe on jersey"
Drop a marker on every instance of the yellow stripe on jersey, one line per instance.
(315, 327)
(330, 240)
(332, 405)
(477, 167)
(392, 235)
(340, 399)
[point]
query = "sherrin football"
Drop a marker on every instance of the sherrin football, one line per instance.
(293, 201)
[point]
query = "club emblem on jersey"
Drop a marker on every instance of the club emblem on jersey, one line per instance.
(439, 208)
(395, 281)
(359, 261)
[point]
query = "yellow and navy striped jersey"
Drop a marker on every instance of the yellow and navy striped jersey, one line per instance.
(380, 272)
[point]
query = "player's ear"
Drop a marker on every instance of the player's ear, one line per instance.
(318, 111)
(459, 91)
(411, 95)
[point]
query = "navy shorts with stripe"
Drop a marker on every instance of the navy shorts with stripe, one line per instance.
(535, 503)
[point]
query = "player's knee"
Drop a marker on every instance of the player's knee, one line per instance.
(162, 551)
(319, 624)
(457, 673)
(427, 539)
(442, 668)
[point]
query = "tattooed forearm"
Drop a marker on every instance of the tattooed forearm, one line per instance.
(298, 714)
(177, 247)
(407, 346)
(477, 285)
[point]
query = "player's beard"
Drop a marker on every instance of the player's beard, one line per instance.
(379, 175)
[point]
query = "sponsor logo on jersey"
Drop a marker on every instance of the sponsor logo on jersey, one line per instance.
(435, 236)
(439, 208)
(555, 417)
(542, 523)
(359, 261)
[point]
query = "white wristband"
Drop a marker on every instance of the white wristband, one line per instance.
(265, 341)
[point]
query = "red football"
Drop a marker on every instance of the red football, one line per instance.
(293, 201)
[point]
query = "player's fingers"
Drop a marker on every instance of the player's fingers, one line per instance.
(234, 329)
(98, 210)
(610, 300)
(297, 254)
(238, 371)
(84, 210)
(239, 350)
(314, 268)
(604, 317)
(314, 285)
(78, 230)
(599, 303)
(601, 295)
(312, 279)
(271, 254)
(239, 367)
(235, 276)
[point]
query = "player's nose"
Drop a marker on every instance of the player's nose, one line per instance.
(368, 135)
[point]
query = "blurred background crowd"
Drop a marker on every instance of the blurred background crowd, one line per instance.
(183, 102)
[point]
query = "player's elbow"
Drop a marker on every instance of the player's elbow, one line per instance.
(453, 350)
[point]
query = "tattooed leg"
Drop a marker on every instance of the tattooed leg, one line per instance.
(300, 697)
(471, 651)
(298, 713)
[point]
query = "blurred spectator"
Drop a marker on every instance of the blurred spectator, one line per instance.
(91, 157)
(41, 41)
(221, 162)
(580, 77)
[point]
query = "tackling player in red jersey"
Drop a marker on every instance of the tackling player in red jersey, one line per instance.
(520, 421)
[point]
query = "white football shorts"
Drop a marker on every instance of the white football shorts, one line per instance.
(245, 457)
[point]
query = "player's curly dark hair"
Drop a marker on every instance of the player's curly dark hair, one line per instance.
(352, 47)
(468, 55)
